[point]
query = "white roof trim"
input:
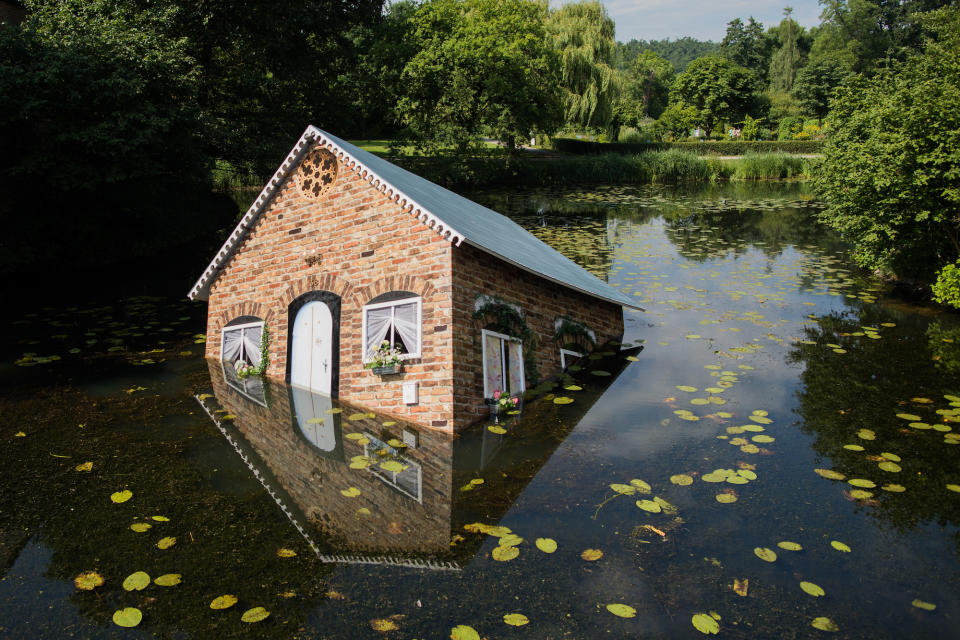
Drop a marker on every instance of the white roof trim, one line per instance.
(200, 289)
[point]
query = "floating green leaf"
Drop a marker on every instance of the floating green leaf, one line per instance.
(88, 580)
(140, 527)
(622, 610)
(681, 479)
(687, 388)
(649, 505)
(121, 496)
(926, 606)
(352, 492)
(137, 581)
(726, 498)
(591, 555)
(223, 602)
(562, 400)
(891, 467)
(812, 589)
(127, 617)
(160, 518)
(166, 543)
(497, 429)
(862, 483)
(255, 614)
(167, 580)
(790, 546)
(642, 487)
(765, 554)
(283, 552)
(954, 487)
(830, 474)
(85, 466)
(860, 494)
(840, 546)
(704, 623)
(909, 417)
(547, 545)
(393, 466)
(824, 624)
(464, 632)
(516, 619)
(504, 554)
(624, 489)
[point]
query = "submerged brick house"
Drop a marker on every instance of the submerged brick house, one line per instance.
(343, 250)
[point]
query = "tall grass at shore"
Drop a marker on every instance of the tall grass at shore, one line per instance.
(769, 166)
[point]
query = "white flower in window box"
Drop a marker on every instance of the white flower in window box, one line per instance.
(385, 360)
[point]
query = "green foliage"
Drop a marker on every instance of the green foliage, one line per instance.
(482, 67)
(718, 147)
(789, 127)
(892, 166)
(750, 129)
(717, 88)
(645, 89)
(816, 83)
(678, 119)
(787, 59)
(770, 166)
(582, 34)
(570, 332)
(677, 52)
(946, 290)
(746, 46)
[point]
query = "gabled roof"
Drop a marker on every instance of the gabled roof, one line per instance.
(453, 217)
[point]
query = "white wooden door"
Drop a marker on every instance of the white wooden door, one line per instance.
(311, 366)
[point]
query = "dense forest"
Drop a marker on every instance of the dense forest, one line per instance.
(119, 117)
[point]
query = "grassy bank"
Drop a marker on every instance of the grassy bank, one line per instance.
(671, 166)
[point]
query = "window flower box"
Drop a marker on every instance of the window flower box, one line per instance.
(387, 370)
(385, 360)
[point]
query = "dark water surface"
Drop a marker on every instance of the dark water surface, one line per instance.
(765, 358)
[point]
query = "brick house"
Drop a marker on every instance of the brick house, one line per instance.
(343, 251)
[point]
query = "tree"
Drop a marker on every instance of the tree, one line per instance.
(891, 166)
(717, 88)
(679, 53)
(482, 67)
(746, 46)
(645, 89)
(816, 83)
(678, 119)
(582, 33)
(788, 58)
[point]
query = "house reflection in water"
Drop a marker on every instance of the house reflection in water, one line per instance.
(366, 489)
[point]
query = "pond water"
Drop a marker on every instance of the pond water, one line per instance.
(780, 457)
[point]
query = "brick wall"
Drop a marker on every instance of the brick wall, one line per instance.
(540, 301)
(366, 246)
(356, 242)
(396, 523)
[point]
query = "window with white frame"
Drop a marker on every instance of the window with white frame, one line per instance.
(241, 341)
(502, 364)
(568, 357)
(393, 318)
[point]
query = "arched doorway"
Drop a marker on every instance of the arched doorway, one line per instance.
(314, 344)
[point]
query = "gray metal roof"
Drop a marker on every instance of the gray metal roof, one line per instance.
(452, 216)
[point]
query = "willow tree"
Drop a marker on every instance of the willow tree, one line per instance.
(788, 59)
(583, 35)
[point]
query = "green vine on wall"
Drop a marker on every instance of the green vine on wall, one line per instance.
(264, 351)
(503, 317)
(569, 331)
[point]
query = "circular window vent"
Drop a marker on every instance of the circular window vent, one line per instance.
(317, 173)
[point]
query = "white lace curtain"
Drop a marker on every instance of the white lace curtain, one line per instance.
(494, 376)
(389, 323)
(242, 344)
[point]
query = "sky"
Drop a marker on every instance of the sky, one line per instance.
(700, 19)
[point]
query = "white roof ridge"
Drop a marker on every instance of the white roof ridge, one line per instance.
(536, 257)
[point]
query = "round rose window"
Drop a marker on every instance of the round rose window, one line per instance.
(317, 172)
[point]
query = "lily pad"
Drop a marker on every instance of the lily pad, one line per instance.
(464, 632)
(137, 581)
(591, 555)
(497, 429)
(642, 487)
(812, 589)
(84, 466)
(505, 554)
(909, 417)
(283, 552)
(862, 483)
(681, 479)
(562, 400)
(223, 602)
(824, 624)
(765, 554)
(726, 498)
(926, 606)
(516, 619)
(890, 467)
(127, 617)
(622, 610)
(547, 545)
(704, 623)
(140, 527)
(649, 505)
(121, 496)
(830, 474)
(790, 546)
(88, 580)
(352, 492)
(840, 546)
(624, 489)
(687, 388)
(166, 543)
(167, 580)
(255, 614)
